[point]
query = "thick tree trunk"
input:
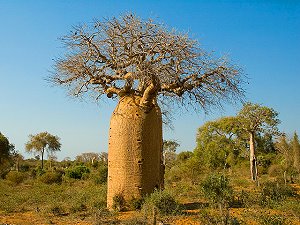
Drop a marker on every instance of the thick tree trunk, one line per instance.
(253, 163)
(135, 165)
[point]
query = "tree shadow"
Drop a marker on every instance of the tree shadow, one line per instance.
(193, 207)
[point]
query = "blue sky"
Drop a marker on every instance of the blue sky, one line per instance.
(263, 37)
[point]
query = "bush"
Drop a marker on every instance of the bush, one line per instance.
(136, 203)
(244, 199)
(15, 177)
(101, 176)
(163, 202)
(274, 192)
(217, 190)
(119, 202)
(275, 171)
(210, 219)
(78, 172)
(51, 178)
(272, 220)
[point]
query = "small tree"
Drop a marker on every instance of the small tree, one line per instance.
(217, 189)
(296, 152)
(254, 119)
(169, 152)
(284, 149)
(42, 142)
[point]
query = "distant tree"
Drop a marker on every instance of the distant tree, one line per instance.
(183, 156)
(169, 152)
(255, 119)
(6, 148)
(104, 157)
(285, 150)
(43, 142)
(52, 158)
(296, 151)
(18, 158)
(219, 142)
(7, 152)
(88, 157)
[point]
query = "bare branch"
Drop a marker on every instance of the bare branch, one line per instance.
(125, 56)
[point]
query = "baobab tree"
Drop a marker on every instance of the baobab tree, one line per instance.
(41, 143)
(143, 65)
(254, 119)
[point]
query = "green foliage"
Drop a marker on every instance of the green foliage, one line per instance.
(101, 175)
(136, 203)
(274, 192)
(272, 220)
(218, 143)
(42, 142)
(44, 197)
(217, 190)
(259, 119)
(7, 152)
(51, 178)
(15, 177)
(38, 171)
(183, 156)
(209, 219)
(119, 202)
(169, 152)
(296, 152)
(163, 202)
(264, 161)
(77, 172)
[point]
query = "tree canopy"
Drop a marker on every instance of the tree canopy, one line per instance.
(42, 142)
(7, 152)
(6, 148)
(258, 119)
(131, 56)
(219, 142)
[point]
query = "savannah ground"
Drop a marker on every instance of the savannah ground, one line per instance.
(42, 199)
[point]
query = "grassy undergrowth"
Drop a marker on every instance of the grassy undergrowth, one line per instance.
(69, 198)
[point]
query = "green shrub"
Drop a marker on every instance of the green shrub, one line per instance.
(15, 177)
(275, 171)
(209, 219)
(80, 207)
(119, 202)
(244, 199)
(51, 178)
(163, 202)
(217, 190)
(272, 220)
(24, 167)
(136, 203)
(77, 172)
(101, 176)
(274, 192)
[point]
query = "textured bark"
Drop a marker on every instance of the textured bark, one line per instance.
(135, 150)
(253, 163)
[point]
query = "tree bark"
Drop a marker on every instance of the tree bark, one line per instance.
(43, 158)
(135, 166)
(253, 163)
